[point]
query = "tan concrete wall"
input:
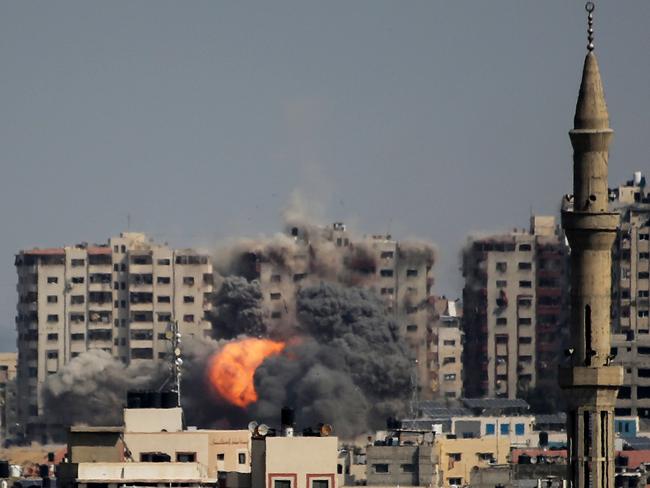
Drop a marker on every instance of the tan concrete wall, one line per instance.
(469, 450)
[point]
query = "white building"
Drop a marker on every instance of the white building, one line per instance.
(120, 297)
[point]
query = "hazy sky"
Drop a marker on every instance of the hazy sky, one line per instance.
(200, 118)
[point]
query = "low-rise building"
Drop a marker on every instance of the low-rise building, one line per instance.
(153, 448)
(294, 462)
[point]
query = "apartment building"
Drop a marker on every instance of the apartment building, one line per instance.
(631, 296)
(8, 407)
(400, 273)
(449, 351)
(515, 310)
(120, 297)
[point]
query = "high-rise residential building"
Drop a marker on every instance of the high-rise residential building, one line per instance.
(399, 272)
(119, 297)
(8, 407)
(515, 310)
(448, 336)
(631, 295)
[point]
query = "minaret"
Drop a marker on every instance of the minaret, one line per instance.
(591, 382)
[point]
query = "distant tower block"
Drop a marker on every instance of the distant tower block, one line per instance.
(591, 382)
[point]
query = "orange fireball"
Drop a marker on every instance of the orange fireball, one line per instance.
(232, 368)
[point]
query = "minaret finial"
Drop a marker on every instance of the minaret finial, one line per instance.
(590, 7)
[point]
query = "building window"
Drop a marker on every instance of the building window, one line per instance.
(519, 429)
(188, 318)
(52, 299)
(163, 280)
(644, 275)
(77, 299)
(387, 291)
(164, 262)
(524, 321)
(53, 337)
(489, 429)
(188, 280)
(504, 429)
(77, 280)
(525, 284)
(77, 337)
(185, 457)
(276, 278)
(524, 247)
(525, 266)
(77, 317)
(408, 468)
(146, 353)
(163, 299)
(281, 483)
(450, 377)
(53, 318)
(448, 360)
(386, 273)
(52, 279)
(221, 456)
(276, 296)
(411, 273)
(449, 343)
(411, 328)
(642, 313)
(164, 317)
(502, 267)
(241, 458)
(380, 468)
(644, 237)
(502, 321)
(188, 299)
(52, 354)
(78, 262)
(276, 314)
(525, 340)
(644, 294)
(387, 255)
(455, 456)
(502, 283)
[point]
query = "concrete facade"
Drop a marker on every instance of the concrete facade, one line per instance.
(458, 458)
(8, 400)
(631, 296)
(591, 381)
(448, 354)
(400, 274)
(404, 465)
(119, 297)
(515, 310)
(294, 462)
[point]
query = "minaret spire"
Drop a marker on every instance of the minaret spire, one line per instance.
(591, 381)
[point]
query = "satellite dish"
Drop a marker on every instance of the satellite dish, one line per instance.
(252, 426)
(325, 430)
(177, 351)
(262, 429)
(169, 335)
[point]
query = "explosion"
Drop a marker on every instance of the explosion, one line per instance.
(231, 370)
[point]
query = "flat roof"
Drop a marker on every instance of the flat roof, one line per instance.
(89, 428)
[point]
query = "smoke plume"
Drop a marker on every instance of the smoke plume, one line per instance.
(345, 361)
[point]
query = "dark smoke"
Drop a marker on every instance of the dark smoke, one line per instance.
(91, 388)
(350, 370)
(237, 309)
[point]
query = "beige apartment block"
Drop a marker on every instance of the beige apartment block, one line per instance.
(400, 274)
(515, 309)
(8, 405)
(449, 352)
(120, 297)
(631, 296)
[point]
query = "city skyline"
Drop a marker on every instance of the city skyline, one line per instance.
(379, 114)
